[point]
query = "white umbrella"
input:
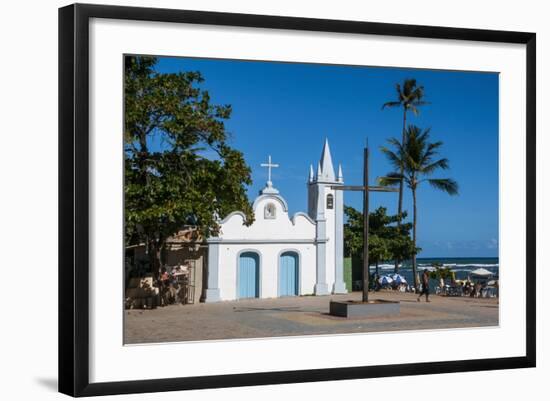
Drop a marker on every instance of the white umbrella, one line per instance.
(385, 280)
(481, 272)
(398, 278)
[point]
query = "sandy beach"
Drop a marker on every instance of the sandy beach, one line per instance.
(295, 316)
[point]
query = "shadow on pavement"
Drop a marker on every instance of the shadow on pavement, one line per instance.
(283, 309)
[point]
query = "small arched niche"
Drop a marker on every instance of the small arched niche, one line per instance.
(270, 211)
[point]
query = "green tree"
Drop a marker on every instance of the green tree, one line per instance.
(441, 272)
(409, 97)
(179, 168)
(353, 232)
(386, 240)
(378, 251)
(398, 236)
(414, 163)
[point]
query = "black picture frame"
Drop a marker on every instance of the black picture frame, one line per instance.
(74, 198)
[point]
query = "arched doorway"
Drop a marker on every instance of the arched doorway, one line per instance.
(289, 274)
(248, 285)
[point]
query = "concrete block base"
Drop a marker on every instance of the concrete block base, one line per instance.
(375, 307)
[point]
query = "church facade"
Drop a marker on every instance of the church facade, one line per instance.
(281, 255)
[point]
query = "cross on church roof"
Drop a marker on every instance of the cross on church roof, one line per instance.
(269, 166)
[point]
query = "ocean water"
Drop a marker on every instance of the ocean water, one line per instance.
(461, 266)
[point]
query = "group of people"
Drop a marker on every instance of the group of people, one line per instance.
(457, 288)
(468, 288)
(401, 286)
(173, 285)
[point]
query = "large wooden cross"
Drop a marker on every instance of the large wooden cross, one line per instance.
(366, 189)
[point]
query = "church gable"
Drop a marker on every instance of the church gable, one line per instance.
(271, 222)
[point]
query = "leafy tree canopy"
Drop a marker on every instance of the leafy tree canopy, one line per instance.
(410, 96)
(387, 240)
(179, 168)
(417, 159)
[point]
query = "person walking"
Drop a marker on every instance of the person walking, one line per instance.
(425, 286)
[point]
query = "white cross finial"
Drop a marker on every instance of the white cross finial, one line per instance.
(269, 166)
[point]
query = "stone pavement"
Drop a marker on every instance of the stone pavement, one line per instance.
(296, 316)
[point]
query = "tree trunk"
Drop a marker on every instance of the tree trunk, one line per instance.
(403, 138)
(158, 256)
(155, 258)
(400, 202)
(414, 241)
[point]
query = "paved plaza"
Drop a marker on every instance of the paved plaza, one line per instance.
(295, 316)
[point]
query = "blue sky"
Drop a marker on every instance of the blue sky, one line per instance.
(287, 110)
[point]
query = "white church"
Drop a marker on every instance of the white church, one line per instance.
(279, 255)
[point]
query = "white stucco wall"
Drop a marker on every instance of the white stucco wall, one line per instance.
(282, 227)
(269, 268)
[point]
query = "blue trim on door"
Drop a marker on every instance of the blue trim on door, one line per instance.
(249, 275)
(289, 267)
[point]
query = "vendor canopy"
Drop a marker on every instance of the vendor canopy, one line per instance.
(398, 278)
(481, 272)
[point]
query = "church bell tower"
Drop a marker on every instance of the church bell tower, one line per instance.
(326, 208)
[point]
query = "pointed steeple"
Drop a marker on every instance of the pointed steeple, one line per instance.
(340, 175)
(327, 168)
(311, 176)
(319, 172)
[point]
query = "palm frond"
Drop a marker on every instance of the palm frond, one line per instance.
(445, 184)
(398, 90)
(442, 164)
(396, 143)
(408, 86)
(394, 158)
(391, 179)
(409, 96)
(431, 151)
(418, 93)
(391, 104)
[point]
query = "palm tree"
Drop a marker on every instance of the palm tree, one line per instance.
(415, 162)
(410, 98)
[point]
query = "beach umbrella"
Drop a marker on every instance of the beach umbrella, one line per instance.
(481, 272)
(398, 278)
(385, 280)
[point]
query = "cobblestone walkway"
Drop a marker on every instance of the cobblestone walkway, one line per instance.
(300, 316)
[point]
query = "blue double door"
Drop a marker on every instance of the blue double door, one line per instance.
(288, 274)
(249, 275)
